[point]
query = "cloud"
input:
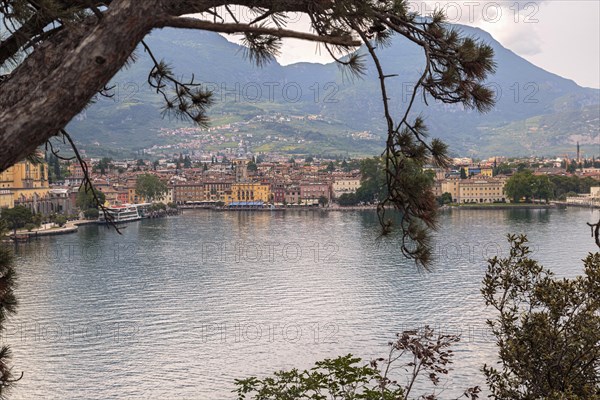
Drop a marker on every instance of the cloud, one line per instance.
(514, 23)
(525, 43)
(473, 12)
(548, 33)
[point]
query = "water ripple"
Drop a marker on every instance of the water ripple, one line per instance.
(180, 307)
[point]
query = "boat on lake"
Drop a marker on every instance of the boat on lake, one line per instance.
(119, 214)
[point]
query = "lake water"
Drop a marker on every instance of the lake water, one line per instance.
(180, 307)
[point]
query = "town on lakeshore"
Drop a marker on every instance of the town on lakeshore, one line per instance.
(304, 199)
(51, 186)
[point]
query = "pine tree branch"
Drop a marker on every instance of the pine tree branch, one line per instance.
(11, 45)
(595, 232)
(34, 27)
(239, 28)
(178, 7)
(87, 183)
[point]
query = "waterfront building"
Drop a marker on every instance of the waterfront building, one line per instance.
(249, 192)
(278, 191)
(475, 190)
(217, 190)
(345, 185)
(167, 197)
(292, 194)
(451, 186)
(23, 182)
(591, 199)
(56, 201)
(481, 191)
(312, 191)
(212, 191)
(188, 192)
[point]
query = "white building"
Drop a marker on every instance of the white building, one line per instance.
(591, 199)
(342, 186)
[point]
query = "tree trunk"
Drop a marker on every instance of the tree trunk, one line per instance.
(61, 76)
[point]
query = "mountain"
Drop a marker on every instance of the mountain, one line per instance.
(537, 112)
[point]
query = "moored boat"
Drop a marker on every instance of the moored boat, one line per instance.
(119, 214)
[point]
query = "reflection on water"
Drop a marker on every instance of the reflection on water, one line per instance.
(179, 307)
(529, 216)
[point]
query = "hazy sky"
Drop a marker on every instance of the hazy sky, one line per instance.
(560, 36)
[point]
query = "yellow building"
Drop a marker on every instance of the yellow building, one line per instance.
(481, 191)
(133, 197)
(487, 172)
(24, 181)
(216, 190)
(475, 190)
(451, 186)
(167, 197)
(249, 192)
(480, 171)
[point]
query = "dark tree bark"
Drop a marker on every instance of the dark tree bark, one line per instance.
(62, 75)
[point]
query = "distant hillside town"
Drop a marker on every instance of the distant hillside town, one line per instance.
(52, 186)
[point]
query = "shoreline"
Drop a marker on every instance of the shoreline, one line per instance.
(27, 236)
(564, 204)
(73, 226)
(282, 209)
(501, 207)
(374, 208)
